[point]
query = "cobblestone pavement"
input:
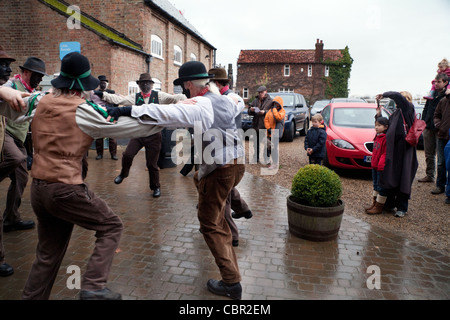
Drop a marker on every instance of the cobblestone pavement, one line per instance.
(163, 256)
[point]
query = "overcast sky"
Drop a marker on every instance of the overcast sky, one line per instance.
(396, 44)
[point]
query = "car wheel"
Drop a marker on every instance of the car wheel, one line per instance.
(289, 135)
(305, 127)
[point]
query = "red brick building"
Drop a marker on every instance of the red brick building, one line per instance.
(121, 38)
(299, 71)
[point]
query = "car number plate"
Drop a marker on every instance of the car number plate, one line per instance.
(368, 159)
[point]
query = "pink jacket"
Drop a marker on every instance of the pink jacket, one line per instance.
(379, 152)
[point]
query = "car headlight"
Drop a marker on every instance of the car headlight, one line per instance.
(343, 144)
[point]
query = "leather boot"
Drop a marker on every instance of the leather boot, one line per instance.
(378, 209)
(372, 206)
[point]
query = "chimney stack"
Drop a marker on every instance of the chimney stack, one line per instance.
(319, 51)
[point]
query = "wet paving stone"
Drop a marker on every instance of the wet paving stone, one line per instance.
(163, 256)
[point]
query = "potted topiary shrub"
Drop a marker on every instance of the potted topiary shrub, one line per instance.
(315, 209)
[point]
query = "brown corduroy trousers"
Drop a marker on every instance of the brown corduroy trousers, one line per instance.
(58, 208)
(213, 191)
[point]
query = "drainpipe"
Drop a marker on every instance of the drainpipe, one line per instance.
(148, 60)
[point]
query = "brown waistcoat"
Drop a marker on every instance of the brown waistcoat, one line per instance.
(59, 144)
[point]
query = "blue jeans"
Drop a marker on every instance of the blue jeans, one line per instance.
(397, 199)
(447, 164)
(376, 186)
(441, 180)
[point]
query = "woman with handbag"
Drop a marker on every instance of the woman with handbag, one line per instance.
(274, 120)
(401, 157)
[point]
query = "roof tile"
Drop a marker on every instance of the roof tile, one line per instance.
(285, 56)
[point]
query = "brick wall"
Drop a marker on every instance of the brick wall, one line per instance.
(252, 76)
(33, 29)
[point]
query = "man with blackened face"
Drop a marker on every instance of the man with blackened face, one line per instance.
(5, 168)
(18, 146)
(153, 143)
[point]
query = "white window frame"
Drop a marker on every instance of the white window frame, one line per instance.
(157, 47)
(156, 84)
(193, 57)
(177, 55)
(286, 90)
(310, 70)
(327, 71)
(287, 70)
(133, 88)
(245, 93)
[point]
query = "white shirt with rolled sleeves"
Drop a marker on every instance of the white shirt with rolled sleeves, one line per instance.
(164, 98)
(197, 112)
(88, 120)
(177, 115)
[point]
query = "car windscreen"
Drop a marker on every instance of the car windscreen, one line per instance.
(288, 99)
(320, 105)
(355, 117)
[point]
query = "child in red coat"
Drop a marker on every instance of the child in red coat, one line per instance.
(378, 163)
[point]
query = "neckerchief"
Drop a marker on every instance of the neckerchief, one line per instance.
(146, 95)
(203, 92)
(224, 89)
(26, 85)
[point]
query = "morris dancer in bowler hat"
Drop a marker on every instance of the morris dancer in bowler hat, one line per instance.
(64, 126)
(16, 140)
(152, 143)
(99, 142)
(234, 201)
(214, 181)
(5, 168)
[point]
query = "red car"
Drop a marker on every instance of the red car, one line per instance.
(350, 134)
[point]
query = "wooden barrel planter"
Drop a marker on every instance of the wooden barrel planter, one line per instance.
(314, 223)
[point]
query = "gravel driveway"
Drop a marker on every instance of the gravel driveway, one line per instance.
(427, 221)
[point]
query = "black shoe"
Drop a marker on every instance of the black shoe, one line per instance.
(114, 157)
(233, 291)
(6, 270)
(246, 215)
(104, 294)
(119, 179)
(21, 225)
(235, 243)
(157, 193)
(99, 157)
(447, 200)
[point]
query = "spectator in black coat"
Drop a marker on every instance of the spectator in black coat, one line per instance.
(401, 158)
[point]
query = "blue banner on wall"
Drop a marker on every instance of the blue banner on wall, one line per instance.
(67, 47)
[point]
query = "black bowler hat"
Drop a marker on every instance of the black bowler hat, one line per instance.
(192, 70)
(35, 65)
(102, 78)
(75, 74)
